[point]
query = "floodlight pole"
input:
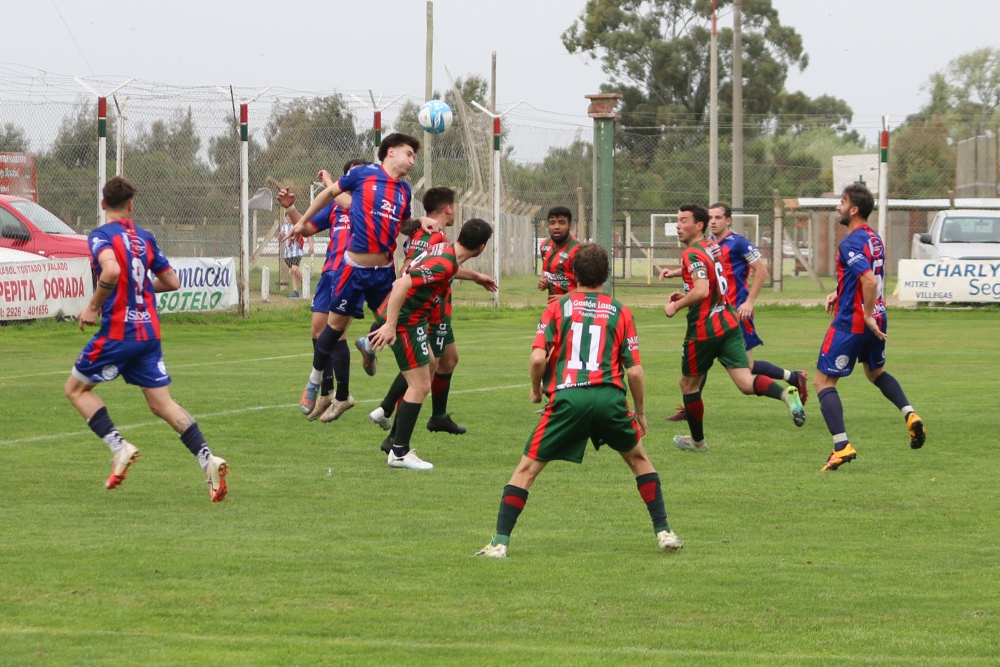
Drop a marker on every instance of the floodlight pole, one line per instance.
(244, 199)
(120, 150)
(102, 140)
(602, 110)
(377, 110)
(496, 191)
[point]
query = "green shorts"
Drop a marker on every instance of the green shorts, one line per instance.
(699, 355)
(410, 349)
(600, 413)
(441, 335)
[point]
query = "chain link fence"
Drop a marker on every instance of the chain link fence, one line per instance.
(181, 147)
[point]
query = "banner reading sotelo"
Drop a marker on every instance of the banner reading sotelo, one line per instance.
(44, 288)
(206, 284)
(957, 280)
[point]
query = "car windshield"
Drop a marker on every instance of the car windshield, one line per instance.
(970, 230)
(41, 218)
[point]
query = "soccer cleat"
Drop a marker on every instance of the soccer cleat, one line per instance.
(795, 406)
(839, 458)
(379, 419)
(444, 425)
(293, 295)
(368, 360)
(336, 409)
(322, 404)
(916, 427)
(120, 462)
(216, 472)
(668, 541)
(679, 416)
(493, 551)
(387, 445)
(686, 443)
(409, 461)
(308, 400)
(803, 386)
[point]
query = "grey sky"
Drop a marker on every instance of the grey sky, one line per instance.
(876, 54)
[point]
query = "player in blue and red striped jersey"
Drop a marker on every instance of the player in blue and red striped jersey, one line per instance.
(586, 351)
(380, 201)
(336, 218)
(858, 330)
(128, 341)
(738, 258)
(713, 331)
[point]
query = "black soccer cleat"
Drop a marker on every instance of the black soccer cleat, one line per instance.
(444, 425)
(387, 445)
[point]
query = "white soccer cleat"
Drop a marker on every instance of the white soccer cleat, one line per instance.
(216, 472)
(668, 541)
(378, 418)
(409, 461)
(686, 443)
(322, 404)
(120, 462)
(493, 551)
(336, 409)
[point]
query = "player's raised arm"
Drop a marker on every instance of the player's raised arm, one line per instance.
(326, 196)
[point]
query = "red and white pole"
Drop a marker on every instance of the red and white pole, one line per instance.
(883, 180)
(244, 212)
(102, 153)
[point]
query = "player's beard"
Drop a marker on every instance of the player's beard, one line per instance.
(845, 219)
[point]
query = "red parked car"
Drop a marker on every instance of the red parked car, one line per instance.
(29, 227)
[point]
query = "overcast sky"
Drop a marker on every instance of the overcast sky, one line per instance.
(875, 54)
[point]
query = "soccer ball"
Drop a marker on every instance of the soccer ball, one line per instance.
(434, 116)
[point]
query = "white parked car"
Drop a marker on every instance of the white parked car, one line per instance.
(960, 234)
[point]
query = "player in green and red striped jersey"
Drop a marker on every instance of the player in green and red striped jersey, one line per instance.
(585, 350)
(405, 321)
(439, 204)
(558, 252)
(713, 330)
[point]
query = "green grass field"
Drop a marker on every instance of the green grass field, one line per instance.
(324, 555)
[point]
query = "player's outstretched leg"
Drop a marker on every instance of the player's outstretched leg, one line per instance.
(764, 386)
(797, 379)
(381, 416)
(511, 505)
(890, 388)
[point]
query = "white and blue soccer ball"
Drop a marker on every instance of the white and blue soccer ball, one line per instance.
(435, 116)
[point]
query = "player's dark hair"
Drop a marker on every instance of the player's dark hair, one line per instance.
(395, 140)
(351, 164)
(591, 265)
(560, 211)
(700, 213)
(861, 197)
(116, 192)
(437, 198)
(726, 211)
(475, 232)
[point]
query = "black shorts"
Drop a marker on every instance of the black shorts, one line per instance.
(292, 261)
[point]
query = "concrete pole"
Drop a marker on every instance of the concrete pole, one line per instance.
(244, 213)
(496, 242)
(777, 242)
(713, 116)
(883, 180)
(737, 204)
(602, 110)
(102, 154)
(428, 93)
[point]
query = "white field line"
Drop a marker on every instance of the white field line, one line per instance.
(224, 413)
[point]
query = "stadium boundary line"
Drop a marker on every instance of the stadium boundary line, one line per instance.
(225, 413)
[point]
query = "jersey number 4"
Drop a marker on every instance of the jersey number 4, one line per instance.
(575, 362)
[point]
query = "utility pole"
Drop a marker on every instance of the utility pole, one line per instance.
(713, 116)
(602, 110)
(738, 112)
(428, 92)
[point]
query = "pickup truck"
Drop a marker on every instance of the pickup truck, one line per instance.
(960, 234)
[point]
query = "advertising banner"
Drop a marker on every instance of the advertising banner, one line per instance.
(44, 288)
(206, 284)
(949, 280)
(17, 175)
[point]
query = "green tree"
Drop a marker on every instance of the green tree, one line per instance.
(965, 94)
(12, 139)
(76, 143)
(923, 162)
(176, 139)
(656, 52)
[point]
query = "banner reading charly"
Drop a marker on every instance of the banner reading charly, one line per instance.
(206, 284)
(44, 288)
(959, 280)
